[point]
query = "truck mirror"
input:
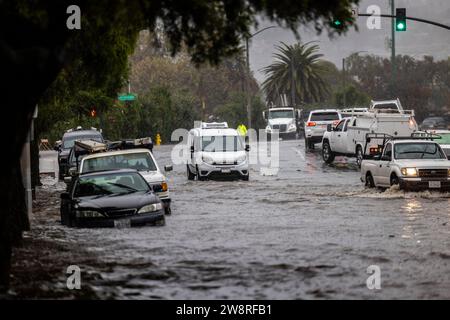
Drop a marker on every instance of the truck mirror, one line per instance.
(168, 168)
(329, 127)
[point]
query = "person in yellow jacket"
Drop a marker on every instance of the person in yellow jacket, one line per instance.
(242, 130)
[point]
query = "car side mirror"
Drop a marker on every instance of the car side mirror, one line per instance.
(192, 148)
(329, 127)
(65, 196)
(168, 168)
(247, 147)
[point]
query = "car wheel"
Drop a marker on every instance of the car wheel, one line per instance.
(369, 180)
(327, 154)
(359, 156)
(394, 180)
(190, 175)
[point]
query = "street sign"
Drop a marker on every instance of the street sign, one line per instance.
(355, 12)
(127, 97)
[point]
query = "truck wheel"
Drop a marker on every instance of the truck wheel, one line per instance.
(190, 175)
(327, 154)
(369, 180)
(359, 156)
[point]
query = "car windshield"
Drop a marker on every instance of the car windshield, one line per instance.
(415, 150)
(70, 141)
(222, 143)
(281, 114)
(141, 161)
(324, 116)
(110, 184)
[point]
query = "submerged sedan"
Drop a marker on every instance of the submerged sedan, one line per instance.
(116, 198)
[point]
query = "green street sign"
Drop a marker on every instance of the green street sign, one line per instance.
(127, 97)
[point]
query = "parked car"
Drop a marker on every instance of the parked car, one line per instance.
(216, 151)
(348, 138)
(68, 141)
(141, 160)
(317, 123)
(110, 199)
(433, 123)
(410, 163)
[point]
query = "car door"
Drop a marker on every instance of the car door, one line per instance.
(336, 138)
(384, 167)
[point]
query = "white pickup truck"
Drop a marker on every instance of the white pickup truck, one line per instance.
(348, 137)
(411, 163)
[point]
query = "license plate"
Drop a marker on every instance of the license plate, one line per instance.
(122, 223)
(226, 170)
(434, 184)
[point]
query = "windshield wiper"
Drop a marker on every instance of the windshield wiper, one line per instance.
(123, 186)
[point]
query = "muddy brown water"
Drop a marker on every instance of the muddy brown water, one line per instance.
(309, 232)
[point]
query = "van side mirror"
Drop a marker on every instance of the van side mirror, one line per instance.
(247, 147)
(168, 168)
(329, 127)
(192, 149)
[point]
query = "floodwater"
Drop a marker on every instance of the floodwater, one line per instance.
(308, 232)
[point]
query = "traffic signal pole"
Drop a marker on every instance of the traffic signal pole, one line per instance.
(393, 71)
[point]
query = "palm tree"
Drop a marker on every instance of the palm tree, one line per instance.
(297, 71)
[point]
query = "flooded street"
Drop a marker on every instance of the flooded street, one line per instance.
(311, 231)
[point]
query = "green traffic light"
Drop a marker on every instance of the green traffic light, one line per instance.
(400, 26)
(337, 23)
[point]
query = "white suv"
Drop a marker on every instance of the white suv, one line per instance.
(317, 123)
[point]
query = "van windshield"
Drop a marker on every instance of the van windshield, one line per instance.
(418, 151)
(222, 143)
(141, 161)
(281, 114)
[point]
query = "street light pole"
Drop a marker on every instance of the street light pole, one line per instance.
(247, 80)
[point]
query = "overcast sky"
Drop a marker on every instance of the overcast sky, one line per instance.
(419, 39)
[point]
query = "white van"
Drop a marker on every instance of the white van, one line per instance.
(216, 151)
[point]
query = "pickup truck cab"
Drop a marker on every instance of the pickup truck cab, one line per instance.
(141, 160)
(412, 164)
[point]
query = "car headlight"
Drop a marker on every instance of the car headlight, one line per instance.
(409, 172)
(88, 214)
(150, 208)
(207, 160)
(241, 159)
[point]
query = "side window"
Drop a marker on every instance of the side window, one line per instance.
(340, 126)
(388, 150)
(346, 125)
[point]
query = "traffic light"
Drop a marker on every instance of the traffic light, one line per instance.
(93, 113)
(337, 24)
(400, 19)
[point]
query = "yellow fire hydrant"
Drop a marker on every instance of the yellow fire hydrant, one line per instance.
(158, 139)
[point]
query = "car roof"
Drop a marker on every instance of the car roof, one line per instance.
(102, 172)
(324, 110)
(216, 132)
(87, 132)
(116, 152)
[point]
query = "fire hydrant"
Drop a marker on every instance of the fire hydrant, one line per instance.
(158, 139)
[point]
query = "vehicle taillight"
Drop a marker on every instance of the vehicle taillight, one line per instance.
(310, 124)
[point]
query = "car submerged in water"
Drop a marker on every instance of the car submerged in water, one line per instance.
(115, 198)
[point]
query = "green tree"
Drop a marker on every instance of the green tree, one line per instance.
(298, 72)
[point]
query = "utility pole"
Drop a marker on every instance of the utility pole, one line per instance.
(247, 85)
(393, 68)
(344, 98)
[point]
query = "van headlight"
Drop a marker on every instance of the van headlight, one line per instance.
(409, 172)
(241, 159)
(88, 214)
(207, 159)
(150, 208)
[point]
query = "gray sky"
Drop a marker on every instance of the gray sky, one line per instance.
(419, 39)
